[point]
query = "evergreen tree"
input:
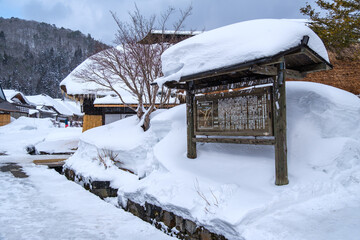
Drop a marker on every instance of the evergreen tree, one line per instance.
(337, 24)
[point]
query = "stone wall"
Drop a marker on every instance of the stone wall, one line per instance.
(166, 221)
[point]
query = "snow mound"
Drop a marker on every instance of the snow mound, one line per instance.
(235, 44)
(230, 188)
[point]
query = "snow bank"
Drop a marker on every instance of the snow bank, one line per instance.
(235, 44)
(230, 188)
(41, 133)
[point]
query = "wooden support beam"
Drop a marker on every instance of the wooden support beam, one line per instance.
(190, 117)
(255, 141)
(279, 97)
(272, 71)
(315, 68)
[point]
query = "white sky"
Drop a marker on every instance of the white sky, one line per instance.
(93, 16)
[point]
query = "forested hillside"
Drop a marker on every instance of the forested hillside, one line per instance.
(35, 57)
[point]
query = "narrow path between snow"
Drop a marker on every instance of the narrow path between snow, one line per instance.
(48, 206)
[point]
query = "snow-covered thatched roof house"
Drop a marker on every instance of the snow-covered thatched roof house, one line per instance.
(101, 105)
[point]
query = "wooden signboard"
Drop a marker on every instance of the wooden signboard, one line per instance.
(238, 113)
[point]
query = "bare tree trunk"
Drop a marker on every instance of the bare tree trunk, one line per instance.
(146, 123)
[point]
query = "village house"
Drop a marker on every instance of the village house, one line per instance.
(18, 99)
(6, 109)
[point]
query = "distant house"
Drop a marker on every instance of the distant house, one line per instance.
(102, 106)
(6, 109)
(56, 109)
(18, 99)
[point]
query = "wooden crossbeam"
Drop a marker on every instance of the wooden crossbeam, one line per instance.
(256, 141)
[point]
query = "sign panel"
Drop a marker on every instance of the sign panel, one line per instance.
(238, 113)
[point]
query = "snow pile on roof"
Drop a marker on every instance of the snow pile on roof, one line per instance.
(78, 86)
(235, 44)
(114, 99)
(45, 100)
(237, 181)
(10, 94)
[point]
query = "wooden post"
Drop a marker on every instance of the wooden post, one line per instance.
(190, 101)
(280, 126)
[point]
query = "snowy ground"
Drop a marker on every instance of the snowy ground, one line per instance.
(230, 188)
(48, 206)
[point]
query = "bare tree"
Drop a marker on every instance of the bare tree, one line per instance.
(134, 64)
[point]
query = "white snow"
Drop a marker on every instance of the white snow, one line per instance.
(230, 188)
(235, 44)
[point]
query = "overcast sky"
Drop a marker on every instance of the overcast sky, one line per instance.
(93, 16)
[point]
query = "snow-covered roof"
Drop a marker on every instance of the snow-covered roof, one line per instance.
(74, 85)
(235, 44)
(72, 106)
(155, 31)
(45, 100)
(11, 94)
(78, 86)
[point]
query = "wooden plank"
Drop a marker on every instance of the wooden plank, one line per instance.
(133, 105)
(190, 112)
(242, 133)
(255, 141)
(279, 96)
(44, 161)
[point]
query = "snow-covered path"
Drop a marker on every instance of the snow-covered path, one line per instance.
(48, 206)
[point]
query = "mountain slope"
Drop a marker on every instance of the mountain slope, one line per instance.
(35, 57)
